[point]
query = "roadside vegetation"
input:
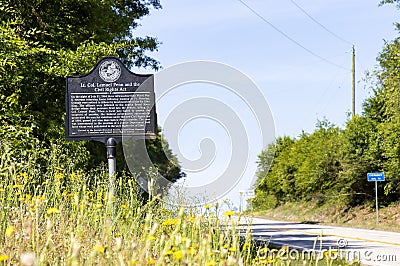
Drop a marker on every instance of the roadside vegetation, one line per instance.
(329, 166)
(67, 217)
(64, 216)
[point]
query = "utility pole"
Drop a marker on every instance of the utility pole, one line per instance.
(353, 82)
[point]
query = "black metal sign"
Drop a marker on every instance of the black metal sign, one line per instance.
(107, 103)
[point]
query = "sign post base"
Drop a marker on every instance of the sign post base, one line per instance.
(112, 167)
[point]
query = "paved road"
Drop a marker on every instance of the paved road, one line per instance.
(371, 247)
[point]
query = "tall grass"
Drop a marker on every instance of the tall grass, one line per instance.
(53, 214)
(61, 216)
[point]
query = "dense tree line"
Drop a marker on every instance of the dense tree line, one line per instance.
(42, 42)
(331, 164)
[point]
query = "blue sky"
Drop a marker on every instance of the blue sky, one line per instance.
(300, 88)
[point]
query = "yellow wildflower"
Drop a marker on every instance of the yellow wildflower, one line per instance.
(123, 206)
(18, 186)
(59, 175)
(150, 238)
(330, 253)
(191, 250)
(24, 175)
(270, 260)
(73, 176)
(52, 210)
(3, 258)
(207, 206)
(211, 263)
(191, 219)
(151, 261)
(99, 248)
(10, 230)
(178, 255)
(263, 251)
(170, 222)
(229, 213)
(169, 252)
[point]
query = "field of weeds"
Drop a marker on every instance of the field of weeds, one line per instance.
(62, 216)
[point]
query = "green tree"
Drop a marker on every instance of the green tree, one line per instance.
(383, 108)
(274, 181)
(360, 155)
(42, 42)
(306, 168)
(67, 37)
(319, 162)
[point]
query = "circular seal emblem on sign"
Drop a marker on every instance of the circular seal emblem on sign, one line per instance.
(109, 71)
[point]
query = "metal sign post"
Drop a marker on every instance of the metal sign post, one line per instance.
(248, 195)
(112, 163)
(375, 177)
(376, 201)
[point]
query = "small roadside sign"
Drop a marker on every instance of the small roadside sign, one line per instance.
(376, 176)
(250, 193)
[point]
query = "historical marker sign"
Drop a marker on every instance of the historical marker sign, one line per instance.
(107, 103)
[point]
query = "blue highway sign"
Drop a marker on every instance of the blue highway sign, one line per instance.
(376, 177)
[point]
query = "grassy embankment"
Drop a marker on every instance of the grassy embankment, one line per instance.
(358, 217)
